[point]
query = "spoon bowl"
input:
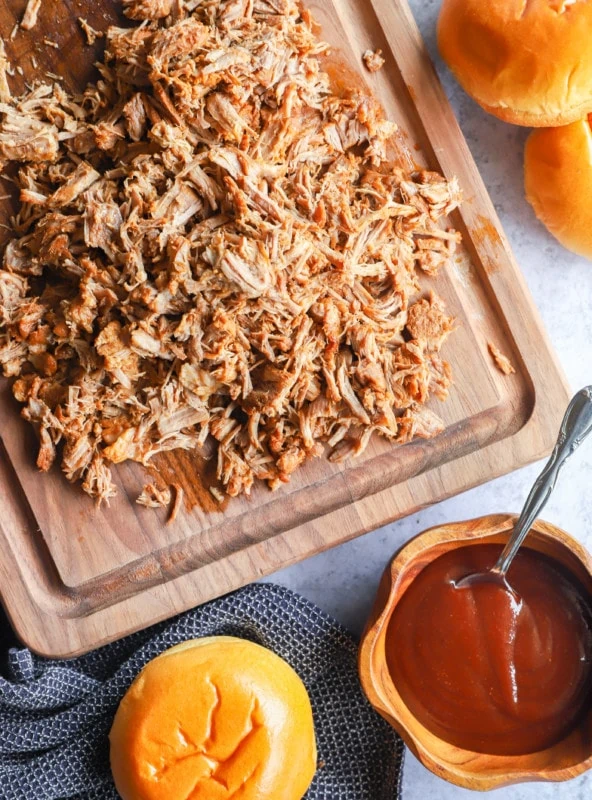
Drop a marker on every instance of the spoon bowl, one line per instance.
(491, 576)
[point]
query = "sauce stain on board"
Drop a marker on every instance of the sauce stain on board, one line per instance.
(344, 79)
(486, 230)
(485, 233)
(412, 93)
(194, 474)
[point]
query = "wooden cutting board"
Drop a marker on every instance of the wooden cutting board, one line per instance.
(73, 578)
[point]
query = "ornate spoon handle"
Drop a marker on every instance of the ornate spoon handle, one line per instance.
(576, 426)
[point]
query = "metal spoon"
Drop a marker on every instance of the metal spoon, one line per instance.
(576, 426)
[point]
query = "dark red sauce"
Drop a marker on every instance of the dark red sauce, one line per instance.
(484, 672)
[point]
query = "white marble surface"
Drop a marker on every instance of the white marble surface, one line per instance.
(343, 581)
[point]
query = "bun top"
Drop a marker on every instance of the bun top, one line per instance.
(213, 719)
(526, 61)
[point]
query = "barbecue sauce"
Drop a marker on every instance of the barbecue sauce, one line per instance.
(485, 670)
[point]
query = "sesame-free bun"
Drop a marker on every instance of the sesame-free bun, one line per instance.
(558, 182)
(526, 61)
(213, 719)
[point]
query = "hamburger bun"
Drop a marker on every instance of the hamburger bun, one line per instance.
(558, 182)
(526, 61)
(212, 719)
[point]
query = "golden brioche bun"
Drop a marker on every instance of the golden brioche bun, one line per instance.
(558, 182)
(212, 719)
(526, 61)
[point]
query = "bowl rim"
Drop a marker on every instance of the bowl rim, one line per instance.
(461, 774)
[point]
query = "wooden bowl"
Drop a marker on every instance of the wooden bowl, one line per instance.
(466, 768)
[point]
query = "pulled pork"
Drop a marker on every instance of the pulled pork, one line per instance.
(31, 14)
(374, 60)
(154, 497)
(501, 361)
(211, 246)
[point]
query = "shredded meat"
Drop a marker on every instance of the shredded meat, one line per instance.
(31, 14)
(213, 249)
(147, 9)
(178, 502)
(153, 497)
(374, 60)
(501, 361)
(5, 94)
(91, 34)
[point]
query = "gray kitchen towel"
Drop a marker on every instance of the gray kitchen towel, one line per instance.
(55, 716)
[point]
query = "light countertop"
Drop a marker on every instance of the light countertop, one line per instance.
(343, 581)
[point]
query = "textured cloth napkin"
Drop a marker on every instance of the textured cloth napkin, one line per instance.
(55, 716)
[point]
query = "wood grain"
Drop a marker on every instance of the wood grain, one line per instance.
(57, 43)
(73, 577)
(477, 771)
